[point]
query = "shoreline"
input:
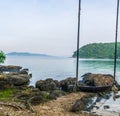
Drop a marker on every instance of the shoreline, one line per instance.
(53, 93)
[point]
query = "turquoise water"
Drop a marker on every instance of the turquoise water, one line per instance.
(61, 68)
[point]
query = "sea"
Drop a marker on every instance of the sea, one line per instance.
(60, 68)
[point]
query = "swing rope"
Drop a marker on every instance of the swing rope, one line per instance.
(116, 37)
(78, 35)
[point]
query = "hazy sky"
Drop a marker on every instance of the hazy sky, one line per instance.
(50, 26)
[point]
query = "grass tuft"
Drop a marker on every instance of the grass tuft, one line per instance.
(6, 94)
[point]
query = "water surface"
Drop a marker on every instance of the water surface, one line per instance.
(61, 68)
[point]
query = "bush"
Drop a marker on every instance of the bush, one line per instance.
(2, 57)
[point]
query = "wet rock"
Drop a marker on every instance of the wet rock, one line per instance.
(106, 107)
(67, 84)
(96, 107)
(97, 79)
(47, 85)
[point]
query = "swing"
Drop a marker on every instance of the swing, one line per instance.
(96, 88)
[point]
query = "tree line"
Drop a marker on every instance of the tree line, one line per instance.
(98, 50)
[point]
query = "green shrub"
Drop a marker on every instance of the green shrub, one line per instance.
(2, 57)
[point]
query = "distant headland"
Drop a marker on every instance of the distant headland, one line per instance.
(27, 54)
(98, 50)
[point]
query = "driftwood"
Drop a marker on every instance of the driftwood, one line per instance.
(29, 105)
(18, 107)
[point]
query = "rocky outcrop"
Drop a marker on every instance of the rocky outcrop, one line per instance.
(13, 76)
(18, 79)
(47, 85)
(81, 104)
(14, 79)
(9, 68)
(97, 79)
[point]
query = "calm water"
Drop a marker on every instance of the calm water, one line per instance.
(61, 68)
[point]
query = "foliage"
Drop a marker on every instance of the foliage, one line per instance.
(2, 57)
(98, 50)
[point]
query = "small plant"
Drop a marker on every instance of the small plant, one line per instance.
(6, 94)
(45, 95)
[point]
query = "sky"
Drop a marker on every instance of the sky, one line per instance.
(50, 26)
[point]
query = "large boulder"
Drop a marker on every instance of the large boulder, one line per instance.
(18, 79)
(3, 82)
(14, 79)
(97, 79)
(68, 84)
(80, 104)
(84, 103)
(47, 85)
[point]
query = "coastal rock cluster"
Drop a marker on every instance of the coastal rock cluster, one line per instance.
(97, 79)
(44, 90)
(50, 84)
(13, 76)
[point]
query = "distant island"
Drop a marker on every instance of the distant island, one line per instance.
(98, 50)
(27, 54)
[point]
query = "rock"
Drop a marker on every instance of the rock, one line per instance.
(47, 85)
(56, 93)
(68, 84)
(18, 79)
(98, 79)
(80, 104)
(26, 69)
(13, 79)
(13, 76)
(71, 88)
(23, 96)
(118, 86)
(5, 84)
(37, 99)
(23, 72)
(9, 68)
(106, 107)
